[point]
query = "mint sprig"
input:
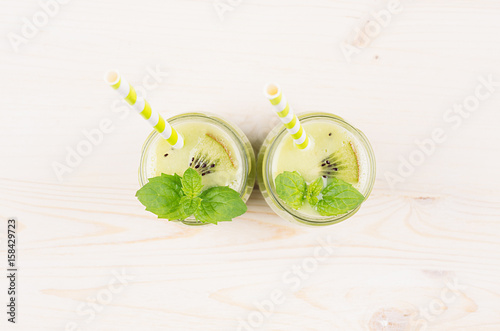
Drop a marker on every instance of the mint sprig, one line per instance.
(337, 198)
(177, 198)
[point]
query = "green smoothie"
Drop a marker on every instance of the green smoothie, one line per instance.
(333, 153)
(207, 148)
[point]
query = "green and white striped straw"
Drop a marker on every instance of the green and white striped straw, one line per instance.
(126, 90)
(290, 120)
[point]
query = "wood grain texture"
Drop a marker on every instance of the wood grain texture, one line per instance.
(420, 255)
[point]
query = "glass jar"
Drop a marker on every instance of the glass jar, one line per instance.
(265, 169)
(239, 139)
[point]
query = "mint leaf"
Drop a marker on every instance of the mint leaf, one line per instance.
(220, 204)
(339, 197)
(291, 188)
(313, 190)
(190, 205)
(191, 183)
(162, 195)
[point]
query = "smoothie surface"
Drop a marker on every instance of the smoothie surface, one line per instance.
(165, 159)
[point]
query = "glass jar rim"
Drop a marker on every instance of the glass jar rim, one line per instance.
(280, 132)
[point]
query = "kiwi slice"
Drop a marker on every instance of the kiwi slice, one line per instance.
(210, 156)
(341, 164)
